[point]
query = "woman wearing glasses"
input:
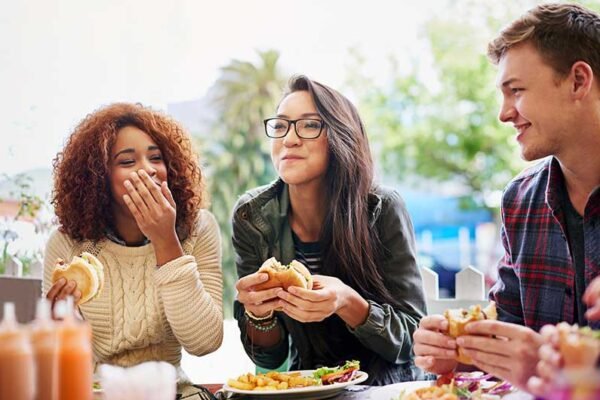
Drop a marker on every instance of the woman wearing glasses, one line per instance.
(356, 238)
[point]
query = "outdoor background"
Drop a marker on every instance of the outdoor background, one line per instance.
(416, 70)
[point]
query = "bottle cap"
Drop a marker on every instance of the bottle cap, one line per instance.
(60, 309)
(9, 313)
(42, 311)
(70, 307)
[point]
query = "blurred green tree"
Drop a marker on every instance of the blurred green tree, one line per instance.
(437, 118)
(237, 153)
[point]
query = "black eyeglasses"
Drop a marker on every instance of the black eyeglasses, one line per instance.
(306, 128)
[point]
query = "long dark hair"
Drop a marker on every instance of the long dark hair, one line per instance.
(350, 246)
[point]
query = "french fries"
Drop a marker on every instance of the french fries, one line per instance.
(272, 380)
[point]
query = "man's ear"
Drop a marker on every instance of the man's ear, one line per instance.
(582, 77)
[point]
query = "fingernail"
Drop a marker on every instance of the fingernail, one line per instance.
(460, 341)
(264, 277)
(127, 183)
(62, 281)
(292, 290)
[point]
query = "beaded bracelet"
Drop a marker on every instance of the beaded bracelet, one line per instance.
(255, 318)
(263, 327)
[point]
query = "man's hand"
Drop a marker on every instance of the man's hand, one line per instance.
(506, 350)
(435, 351)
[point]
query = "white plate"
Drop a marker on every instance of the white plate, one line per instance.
(392, 391)
(312, 392)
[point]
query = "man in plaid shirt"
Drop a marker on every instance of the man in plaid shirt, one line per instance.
(549, 77)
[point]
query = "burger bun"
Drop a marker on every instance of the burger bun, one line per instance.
(284, 276)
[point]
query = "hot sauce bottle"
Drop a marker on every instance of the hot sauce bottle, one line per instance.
(75, 365)
(44, 341)
(16, 359)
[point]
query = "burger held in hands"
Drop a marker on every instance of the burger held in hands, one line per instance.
(284, 276)
(460, 317)
(578, 346)
(86, 270)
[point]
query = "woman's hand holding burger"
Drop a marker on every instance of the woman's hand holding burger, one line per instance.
(261, 304)
(258, 302)
(328, 296)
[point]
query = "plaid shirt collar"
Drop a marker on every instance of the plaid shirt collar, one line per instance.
(556, 190)
(555, 187)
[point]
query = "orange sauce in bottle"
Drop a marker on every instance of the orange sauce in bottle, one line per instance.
(75, 365)
(16, 359)
(44, 341)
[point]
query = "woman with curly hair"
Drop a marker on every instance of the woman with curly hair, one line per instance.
(129, 190)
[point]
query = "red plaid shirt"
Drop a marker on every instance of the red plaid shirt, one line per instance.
(536, 282)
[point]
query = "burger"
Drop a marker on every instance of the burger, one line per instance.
(284, 276)
(579, 347)
(459, 318)
(86, 270)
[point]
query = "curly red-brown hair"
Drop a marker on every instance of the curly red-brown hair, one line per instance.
(82, 196)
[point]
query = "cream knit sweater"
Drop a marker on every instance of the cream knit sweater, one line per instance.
(147, 313)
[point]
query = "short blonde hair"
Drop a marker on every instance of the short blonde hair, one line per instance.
(562, 33)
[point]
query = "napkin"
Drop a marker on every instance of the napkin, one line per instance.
(150, 381)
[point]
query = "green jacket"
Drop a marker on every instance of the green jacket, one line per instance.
(383, 343)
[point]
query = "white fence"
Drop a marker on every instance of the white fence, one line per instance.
(470, 290)
(14, 268)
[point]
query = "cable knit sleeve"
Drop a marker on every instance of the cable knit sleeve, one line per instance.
(58, 246)
(191, 288)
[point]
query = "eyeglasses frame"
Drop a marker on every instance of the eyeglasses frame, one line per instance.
(293, 122)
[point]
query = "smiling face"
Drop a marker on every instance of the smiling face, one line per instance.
(299, 161)
(132, 151)
(536, 101)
